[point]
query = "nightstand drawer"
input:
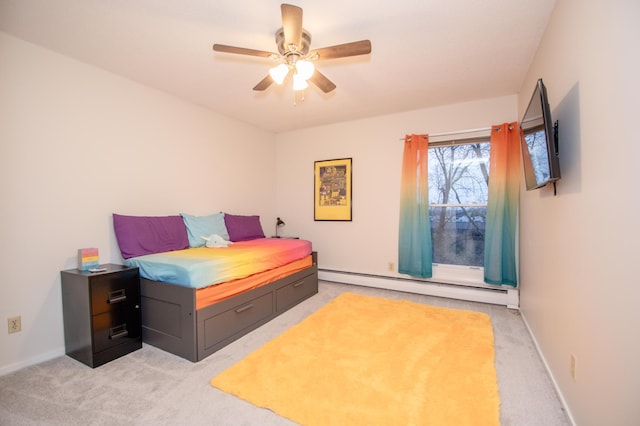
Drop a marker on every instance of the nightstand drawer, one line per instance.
(115, 327)
(109, 291)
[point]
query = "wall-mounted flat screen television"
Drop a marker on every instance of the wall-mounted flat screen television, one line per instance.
(539, 141)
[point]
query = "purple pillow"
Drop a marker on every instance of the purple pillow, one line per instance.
(243, 228)
(140, 235)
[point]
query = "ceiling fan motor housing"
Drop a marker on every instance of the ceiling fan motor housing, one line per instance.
(299, 51)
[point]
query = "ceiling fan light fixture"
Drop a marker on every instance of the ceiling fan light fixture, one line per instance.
(299, 83)
(305, 69)
(279, 73)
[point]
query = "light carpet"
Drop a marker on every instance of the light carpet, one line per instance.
(370, 360)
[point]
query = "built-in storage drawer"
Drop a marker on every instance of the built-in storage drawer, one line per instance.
(296, 291)
(237, 319)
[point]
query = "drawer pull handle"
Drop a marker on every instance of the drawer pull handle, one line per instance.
(118, 331)
(244, 308)
(298, 284)
(117, 296)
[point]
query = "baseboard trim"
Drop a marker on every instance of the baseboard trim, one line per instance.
(508, 297)
(31, 361)
(546, 366)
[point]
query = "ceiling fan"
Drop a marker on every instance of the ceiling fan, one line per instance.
(294, 55)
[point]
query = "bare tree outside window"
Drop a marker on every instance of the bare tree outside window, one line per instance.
(458, 190)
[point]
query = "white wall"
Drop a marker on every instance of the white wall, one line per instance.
(579, 281)
(72, 135)
(78, 144)
(370, 241)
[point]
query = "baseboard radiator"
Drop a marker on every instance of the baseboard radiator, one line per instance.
(504, 295)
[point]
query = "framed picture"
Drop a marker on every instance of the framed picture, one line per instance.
(332, 190)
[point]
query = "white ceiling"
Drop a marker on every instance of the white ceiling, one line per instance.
(425, 53)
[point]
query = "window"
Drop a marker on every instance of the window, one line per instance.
(458, 189)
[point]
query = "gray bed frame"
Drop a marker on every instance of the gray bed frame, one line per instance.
(171, 322)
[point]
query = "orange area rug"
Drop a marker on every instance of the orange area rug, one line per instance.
(363, 360)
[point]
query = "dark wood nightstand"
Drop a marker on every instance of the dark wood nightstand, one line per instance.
(101, 313)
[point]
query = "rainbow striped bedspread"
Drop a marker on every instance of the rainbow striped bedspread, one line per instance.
(203, 266)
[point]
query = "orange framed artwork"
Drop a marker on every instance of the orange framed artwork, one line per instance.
(332, 190)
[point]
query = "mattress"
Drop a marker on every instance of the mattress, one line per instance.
(209, 295)
(203, 266)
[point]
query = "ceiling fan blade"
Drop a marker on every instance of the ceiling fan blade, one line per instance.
(264, 83)
(322, 82)
(292, 25)
(241, 51)
(355, 48)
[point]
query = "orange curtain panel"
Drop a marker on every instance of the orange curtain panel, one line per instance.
(502, 206)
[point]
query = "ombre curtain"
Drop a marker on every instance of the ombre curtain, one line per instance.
(502, 206)
(415, 253)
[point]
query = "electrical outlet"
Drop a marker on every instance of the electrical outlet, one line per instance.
(573, 367)
(391, 266)
(14, 324)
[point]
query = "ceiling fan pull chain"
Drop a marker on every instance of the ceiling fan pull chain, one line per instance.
(297, 93)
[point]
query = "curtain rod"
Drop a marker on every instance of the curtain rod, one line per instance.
(459, 132)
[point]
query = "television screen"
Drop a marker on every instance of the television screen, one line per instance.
(539, 140)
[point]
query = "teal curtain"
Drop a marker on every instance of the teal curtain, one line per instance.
(502, 206)
(415, 252)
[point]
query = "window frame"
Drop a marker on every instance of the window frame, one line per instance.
(450, 273)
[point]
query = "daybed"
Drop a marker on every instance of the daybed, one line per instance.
(197, 299)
